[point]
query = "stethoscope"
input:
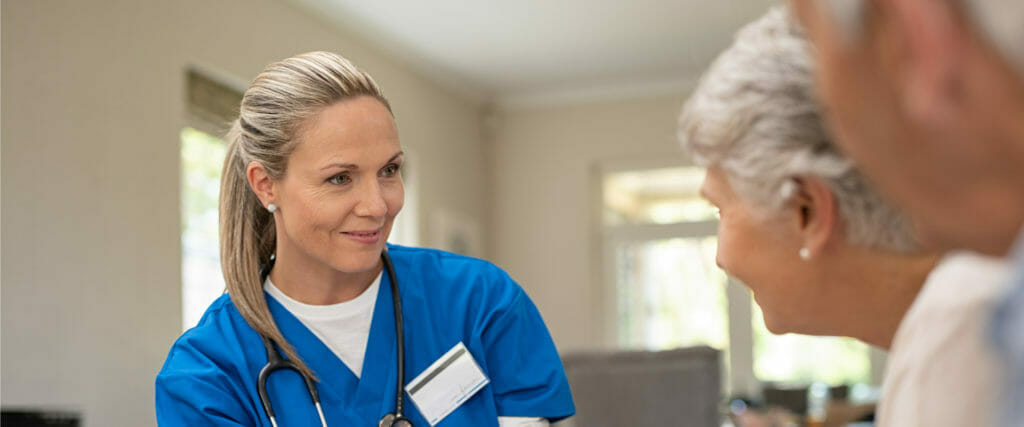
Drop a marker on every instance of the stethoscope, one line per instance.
(275, 362)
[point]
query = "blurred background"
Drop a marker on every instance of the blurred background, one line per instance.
(540, 135)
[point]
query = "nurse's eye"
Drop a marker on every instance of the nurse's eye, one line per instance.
(339, 179)
(390, 170)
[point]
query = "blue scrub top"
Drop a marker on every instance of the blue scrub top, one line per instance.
(209, 377)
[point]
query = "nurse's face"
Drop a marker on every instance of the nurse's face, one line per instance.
(341, 189)
(762, 252)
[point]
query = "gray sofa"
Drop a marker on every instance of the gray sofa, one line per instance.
(680, 387)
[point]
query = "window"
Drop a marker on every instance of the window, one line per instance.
(202, 156)
(660, 241)
(803, 359)
(666, 290)
(665, 303)
(210, 107)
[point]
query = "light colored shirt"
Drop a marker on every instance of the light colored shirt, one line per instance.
(941, 369)
(343, 327)
(1008, 335)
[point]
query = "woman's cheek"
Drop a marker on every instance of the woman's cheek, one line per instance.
(723, 255)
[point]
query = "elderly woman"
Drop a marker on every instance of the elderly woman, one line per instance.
(820, 251)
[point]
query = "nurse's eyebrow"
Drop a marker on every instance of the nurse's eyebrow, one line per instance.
(340, 166)
(356, 167)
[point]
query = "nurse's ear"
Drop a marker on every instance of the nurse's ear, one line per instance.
(261, 183)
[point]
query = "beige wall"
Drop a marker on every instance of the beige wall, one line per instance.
(93, 102)
(544, 205)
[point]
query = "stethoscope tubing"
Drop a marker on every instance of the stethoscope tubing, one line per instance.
(399, 334)
(276, 362)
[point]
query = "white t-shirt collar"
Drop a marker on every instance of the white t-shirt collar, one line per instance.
(356, 306)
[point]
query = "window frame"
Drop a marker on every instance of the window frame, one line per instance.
(741, 378)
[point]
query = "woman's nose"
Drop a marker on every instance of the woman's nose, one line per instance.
(372, 202)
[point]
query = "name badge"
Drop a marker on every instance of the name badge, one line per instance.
(446, 384)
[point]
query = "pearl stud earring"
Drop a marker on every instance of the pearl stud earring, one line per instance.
(272, 208)
(805, 254)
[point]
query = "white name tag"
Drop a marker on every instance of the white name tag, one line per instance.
(448, 382)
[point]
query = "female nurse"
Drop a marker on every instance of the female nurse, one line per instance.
(377, 334)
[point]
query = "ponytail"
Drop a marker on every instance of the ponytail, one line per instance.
(247, 240)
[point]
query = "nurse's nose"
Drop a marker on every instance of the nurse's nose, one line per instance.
(372, 202)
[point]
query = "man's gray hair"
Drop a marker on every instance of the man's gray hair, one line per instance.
(755, 115)
(1002, 21)
(999, 21)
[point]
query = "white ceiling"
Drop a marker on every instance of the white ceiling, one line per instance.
(522, 52)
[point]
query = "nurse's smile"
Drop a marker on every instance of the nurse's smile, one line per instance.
(368, 237)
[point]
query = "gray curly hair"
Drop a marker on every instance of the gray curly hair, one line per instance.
(755, 115)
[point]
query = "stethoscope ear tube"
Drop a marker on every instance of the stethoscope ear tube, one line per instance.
(276, 362)
(399, 334)
(261, 382)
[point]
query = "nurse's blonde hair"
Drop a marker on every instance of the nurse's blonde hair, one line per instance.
(274, 108)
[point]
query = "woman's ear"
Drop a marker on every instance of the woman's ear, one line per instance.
(260, 182)
(816, 214)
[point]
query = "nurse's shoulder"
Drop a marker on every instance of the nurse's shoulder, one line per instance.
(449, 274)
(220, 332)
(498, 323)
(461, 292)
(206, 371)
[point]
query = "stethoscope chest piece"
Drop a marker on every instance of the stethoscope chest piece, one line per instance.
(390, 420)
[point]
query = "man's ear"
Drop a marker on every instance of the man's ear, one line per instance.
(816, 213)
(930, 57)
(261, 183)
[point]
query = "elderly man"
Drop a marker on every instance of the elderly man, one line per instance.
(928, 98)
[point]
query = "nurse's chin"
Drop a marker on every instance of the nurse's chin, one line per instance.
(355, 262)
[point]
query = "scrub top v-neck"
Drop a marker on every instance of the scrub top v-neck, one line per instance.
(209, 377)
